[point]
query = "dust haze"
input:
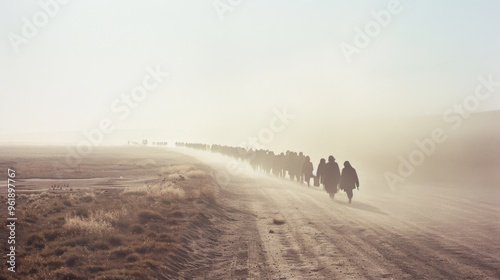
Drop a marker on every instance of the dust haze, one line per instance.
(250, 139)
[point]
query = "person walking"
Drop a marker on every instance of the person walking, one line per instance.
(349, 180)
(320, 173)
(332, 176)
(299, 164)
(307, 170)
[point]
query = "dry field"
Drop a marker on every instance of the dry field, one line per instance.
(124, 213)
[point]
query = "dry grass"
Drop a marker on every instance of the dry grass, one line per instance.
(31, 216)
(98, 222)
(197, 174)
(178, 169)
(88, 197)
(167, 190)
(148, 215)
(84, 234)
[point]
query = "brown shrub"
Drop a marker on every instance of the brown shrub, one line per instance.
(67, 203)
(148, 215)
(30, 216)
(95, 269)
(133, 258)
(54, 263)
(121, 252)
(115, 241)
(88, 197)
(82, 212)
(56, 207)
(36, 240)
(144, 248)
(59, 251)
(84, 240)
(51, 235)
(67, 274)
(137, 229)
(100, 245)
(72, 260)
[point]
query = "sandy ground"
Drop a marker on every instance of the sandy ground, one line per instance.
(40, 168)
(416, 232)
(426, 231)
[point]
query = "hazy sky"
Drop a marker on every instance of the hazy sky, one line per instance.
(223, 73)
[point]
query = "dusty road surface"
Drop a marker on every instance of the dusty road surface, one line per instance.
(275, 229)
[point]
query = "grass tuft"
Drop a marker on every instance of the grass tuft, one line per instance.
(166, 190)
(148, 215)
(115, 241)
(36, 240)
(98, 222)
(73, 260)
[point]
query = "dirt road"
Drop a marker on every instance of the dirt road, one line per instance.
(274, 229)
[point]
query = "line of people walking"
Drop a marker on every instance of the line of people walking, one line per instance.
(330, 176)
(296, 165)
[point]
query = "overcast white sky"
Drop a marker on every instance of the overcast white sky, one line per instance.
(265, 54)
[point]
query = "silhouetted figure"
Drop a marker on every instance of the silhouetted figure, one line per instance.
(307, 170)
(320, 173)
(332, 176)
(349, 180)
(298, 165)
(282, 165)
(291, 165)
(268, 161)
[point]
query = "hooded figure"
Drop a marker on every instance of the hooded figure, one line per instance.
(332, 176)
(320, 173)
(349, 180)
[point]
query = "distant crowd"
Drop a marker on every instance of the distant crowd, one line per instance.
(297, 166)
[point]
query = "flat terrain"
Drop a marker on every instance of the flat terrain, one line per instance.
(123, 213)
(252, 226)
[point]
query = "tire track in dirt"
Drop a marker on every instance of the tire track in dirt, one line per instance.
(411, 246)
(337, 257)
(286, 254)
(224, 243)
(391, 236)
